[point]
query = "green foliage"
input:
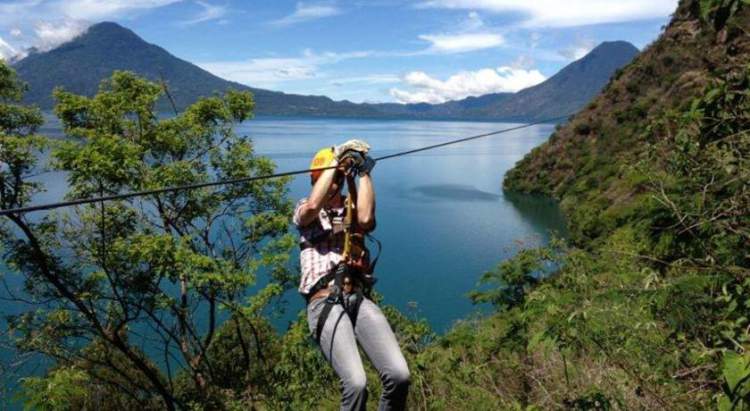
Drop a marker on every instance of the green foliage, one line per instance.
(736, 373)
(302, 379)
(648, 309)
(243, 354)
(582, 129)
(594, 401)
(707, 198)
(154, 265)
(718, 12)
(62, 389)
(19, 146)
(11, 88)
(513, 278)
(17, 120)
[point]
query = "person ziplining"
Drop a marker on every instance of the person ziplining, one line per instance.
(337, 276)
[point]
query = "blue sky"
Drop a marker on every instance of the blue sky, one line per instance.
(377, 50)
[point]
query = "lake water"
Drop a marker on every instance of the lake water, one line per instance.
(442, 216)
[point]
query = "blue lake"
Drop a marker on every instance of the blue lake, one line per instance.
(442, 216)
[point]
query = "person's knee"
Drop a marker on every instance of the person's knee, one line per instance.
(399, 377)
(356, 384)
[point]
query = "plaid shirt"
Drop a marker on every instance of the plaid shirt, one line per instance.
(322, 257)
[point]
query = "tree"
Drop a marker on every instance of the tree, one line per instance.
(18, 161)
(514, 278)
(146, 279)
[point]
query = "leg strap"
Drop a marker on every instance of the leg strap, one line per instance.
(322, 319)
(353, 309)
(337, 297)
(350, 309)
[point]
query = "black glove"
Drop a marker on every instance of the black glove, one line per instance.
(366, 167)
(352, 159)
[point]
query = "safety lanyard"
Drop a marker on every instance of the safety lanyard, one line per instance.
(349, 221)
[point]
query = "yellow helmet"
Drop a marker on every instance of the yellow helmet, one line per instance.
(322, 159)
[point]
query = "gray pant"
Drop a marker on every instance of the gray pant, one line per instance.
(338, 342)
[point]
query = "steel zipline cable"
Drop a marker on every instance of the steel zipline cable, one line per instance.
(122, 196)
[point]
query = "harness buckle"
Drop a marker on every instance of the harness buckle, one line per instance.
(333, 297)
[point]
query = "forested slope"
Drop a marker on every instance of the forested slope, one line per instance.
(649, 307)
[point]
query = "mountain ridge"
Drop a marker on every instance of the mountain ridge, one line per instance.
(125, 50)
(108, 46)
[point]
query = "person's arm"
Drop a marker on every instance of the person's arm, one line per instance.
(366, 203)
(309, 211)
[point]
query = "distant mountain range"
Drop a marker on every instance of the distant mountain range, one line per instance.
(80, 65)
(565, 92)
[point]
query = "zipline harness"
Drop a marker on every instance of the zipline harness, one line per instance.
(355, 270)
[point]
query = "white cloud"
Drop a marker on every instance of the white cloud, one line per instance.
(462, 42)
(534, 39)
(209, 12)
(262, 72)
(523, 61)
(271, 71)
(368, 79)
(473, 21)
(51, 34)
(556, 13)
(10, 10)
(470, 35)
(428, 89)
(7, 52)
(305, 12)
(44, 24)
(93, 10)
(579, 49)
(96, 10)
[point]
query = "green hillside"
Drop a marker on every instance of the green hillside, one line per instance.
(649, 308)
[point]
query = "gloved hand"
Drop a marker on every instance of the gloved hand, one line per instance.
(352, 160)
(351, 145)
(366, 167)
